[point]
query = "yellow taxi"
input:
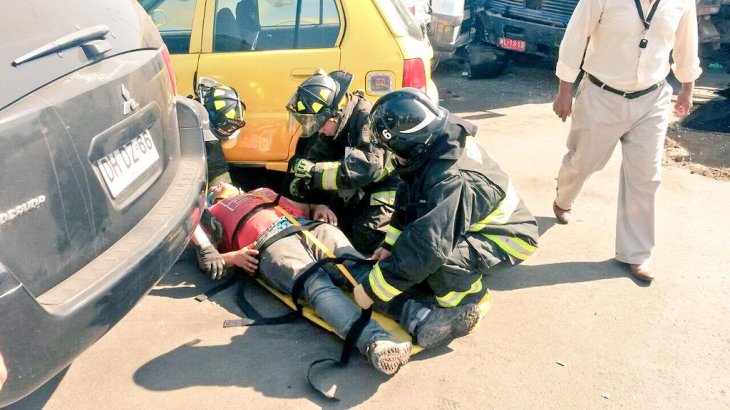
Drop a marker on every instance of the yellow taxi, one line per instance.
(266, 48)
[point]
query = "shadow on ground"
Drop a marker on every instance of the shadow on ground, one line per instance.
(265, 361)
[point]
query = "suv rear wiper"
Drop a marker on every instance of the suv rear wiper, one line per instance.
(82, 36)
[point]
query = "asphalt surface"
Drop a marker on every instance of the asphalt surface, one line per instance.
(568, 329)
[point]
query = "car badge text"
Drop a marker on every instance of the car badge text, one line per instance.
(24, 208)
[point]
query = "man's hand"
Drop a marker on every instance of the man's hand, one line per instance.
(3, 372)
(361, 297)
(684, 100)
(211, 262)
(380, 253)
(303, 168)
(246, 258)
(563, 104)
(324, 213)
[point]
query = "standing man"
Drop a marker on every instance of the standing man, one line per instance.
(343, 160)
(624, 97)
(457, 215)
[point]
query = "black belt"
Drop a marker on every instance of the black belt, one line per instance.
(629, 95)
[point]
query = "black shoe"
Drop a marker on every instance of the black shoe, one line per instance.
(443, 325)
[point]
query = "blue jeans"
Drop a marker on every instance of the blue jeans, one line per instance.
(288, 257)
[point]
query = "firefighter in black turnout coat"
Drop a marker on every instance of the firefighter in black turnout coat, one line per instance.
(342, 159)
(457, 215)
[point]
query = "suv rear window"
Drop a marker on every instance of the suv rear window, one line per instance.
(174, 20)
(255, 25)
(399, 19)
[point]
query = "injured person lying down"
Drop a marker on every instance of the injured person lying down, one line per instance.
(244, 229)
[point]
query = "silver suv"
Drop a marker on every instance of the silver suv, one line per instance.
(102, 167)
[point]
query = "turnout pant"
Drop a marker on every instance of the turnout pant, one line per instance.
(288, 257)
(600, 120)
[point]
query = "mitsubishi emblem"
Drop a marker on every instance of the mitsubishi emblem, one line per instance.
(129, 103)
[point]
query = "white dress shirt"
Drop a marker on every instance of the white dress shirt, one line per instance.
(613, 54)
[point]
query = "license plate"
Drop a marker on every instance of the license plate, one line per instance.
(512, 44)
(124, 165)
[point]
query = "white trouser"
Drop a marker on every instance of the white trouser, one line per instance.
(601, 119)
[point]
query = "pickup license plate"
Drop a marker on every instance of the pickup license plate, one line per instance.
(512, 44)
(121, 167)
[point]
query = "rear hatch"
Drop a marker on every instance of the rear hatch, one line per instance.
(88, 132)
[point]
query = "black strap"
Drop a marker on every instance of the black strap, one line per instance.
(646, 22)
(288, 231)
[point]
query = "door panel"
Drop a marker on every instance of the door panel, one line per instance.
(259, 53)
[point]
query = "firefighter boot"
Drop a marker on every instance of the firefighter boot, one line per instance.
(388, 356)
(442, 325)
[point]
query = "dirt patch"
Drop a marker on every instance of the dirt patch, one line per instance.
(701, 142)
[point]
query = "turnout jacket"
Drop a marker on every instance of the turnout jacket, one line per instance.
(457, 194)
(350, 161)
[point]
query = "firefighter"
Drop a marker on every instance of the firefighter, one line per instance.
(342, 159)
(225, 112)
(457, 214)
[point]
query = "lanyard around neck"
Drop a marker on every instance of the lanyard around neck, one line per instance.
(646, 21)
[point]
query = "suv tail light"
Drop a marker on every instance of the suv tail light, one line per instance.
(414, 74)
(168, 65)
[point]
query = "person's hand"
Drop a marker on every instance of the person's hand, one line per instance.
(299, 188)
(211, 262)
(3, 372)
(303, 168)
(380, 253)
(563, 104)
(324, 213)
(684, 102)
(361, 297)
(246, 258)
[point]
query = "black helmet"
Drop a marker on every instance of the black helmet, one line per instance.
(318, 99)
(406, 122)
(224, 108)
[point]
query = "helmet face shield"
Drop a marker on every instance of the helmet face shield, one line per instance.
(311, 123)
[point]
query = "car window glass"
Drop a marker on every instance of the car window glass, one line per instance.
(174, 20)
(255, 25)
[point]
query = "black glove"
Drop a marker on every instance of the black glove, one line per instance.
(299, 188)
(211, 262)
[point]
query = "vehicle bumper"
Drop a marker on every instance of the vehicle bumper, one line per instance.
(542, 40)
(42, 334)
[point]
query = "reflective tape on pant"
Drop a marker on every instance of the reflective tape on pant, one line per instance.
(329, 175)
(391, 235)
(514, 246)
(382, 198)
(504, 211)
(453, 299)
(382, 289)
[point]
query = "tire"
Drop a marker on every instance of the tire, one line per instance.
(485, 61)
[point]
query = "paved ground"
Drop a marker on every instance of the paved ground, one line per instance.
(568, 329)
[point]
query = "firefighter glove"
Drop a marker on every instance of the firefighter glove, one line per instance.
(303, 168)
(361, 297)
(211, 262)
(299, 188)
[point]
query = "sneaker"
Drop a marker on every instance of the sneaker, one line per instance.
(443, 325)
(388, 356)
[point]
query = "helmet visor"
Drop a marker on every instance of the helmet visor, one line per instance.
(227, 126)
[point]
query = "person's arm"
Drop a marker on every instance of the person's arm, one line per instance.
(686, 65)
(209, 259)
(246, 258)
(424, 244)
(584, 20)
(3, 372)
